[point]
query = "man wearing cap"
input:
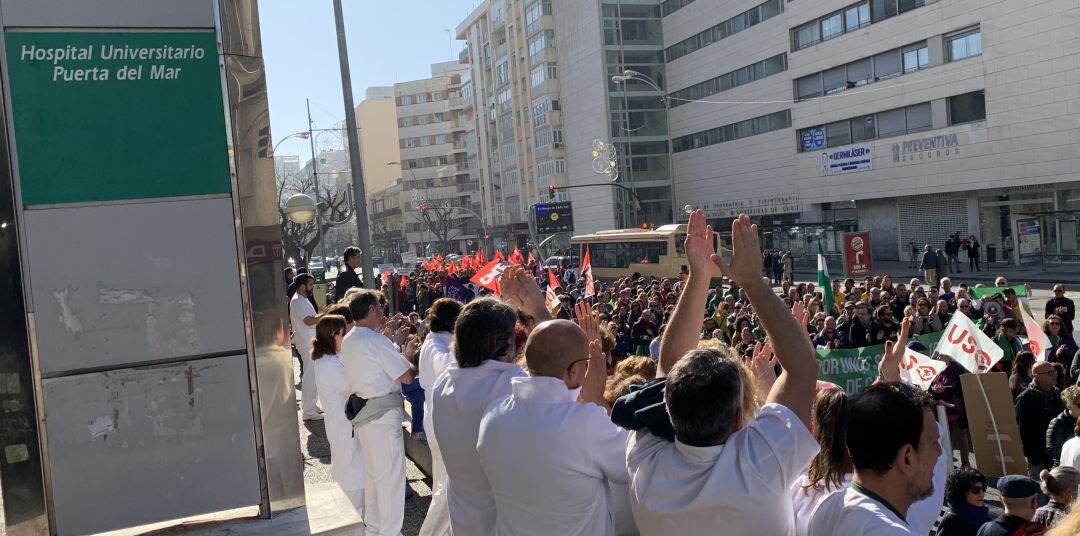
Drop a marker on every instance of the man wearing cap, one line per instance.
(1018, 496)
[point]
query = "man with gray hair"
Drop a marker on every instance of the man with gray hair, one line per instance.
(727, 470)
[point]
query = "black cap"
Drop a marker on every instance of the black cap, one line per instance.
(1017, 487)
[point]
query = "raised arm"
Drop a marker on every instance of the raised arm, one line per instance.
(794, 388)
(520, 290)
(684, 327)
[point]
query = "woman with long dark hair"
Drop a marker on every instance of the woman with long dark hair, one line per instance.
(346, 456)
(831, 469)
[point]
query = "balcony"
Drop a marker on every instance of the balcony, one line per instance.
(390, 212)
(387, 235)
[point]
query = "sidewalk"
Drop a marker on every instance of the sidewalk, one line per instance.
(328, 512)
(901, 273)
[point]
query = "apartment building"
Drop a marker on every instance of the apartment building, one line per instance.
(431, 122)
(912, 119)
(516, 119)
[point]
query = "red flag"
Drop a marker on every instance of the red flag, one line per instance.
(531, 258)
(553, 282)
(404, 282)
(586, 272)
(488, 276)
(498, 256)
(516, 258)
(481, 257)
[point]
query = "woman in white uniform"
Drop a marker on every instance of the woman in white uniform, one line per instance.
(346, 456)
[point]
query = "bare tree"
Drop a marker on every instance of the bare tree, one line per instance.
(442, 220)
(299, 241)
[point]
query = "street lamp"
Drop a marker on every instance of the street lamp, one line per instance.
(300, 208)
(302, 135)
(630, 74)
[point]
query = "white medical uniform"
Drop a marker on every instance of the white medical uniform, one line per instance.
(547, 458)
(435, 356)
(299, 309)
(346, 456)
(848, 511)
(459, 399)
(372, 367)
(1070, 453)
(740, 487)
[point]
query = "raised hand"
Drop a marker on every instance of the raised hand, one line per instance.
(745, 265)
(889, 366)
(520, 289)
(763, 369)
(801, 315)
(699, 245)
(588, 320)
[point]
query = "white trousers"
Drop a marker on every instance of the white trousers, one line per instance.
(384, 460)
(309, 394)
(437, 521)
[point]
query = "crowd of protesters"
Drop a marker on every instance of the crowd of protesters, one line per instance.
(675, 405)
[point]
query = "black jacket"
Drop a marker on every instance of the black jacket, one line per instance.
(1059, 431)
(952, 525)
(346, 280)
(928, 261)
(1035, 409)
(858, 334)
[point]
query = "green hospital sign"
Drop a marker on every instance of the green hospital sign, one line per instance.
(103, 116)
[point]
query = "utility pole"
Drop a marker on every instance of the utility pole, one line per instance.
(359, 194)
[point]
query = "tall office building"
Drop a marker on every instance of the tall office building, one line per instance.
(440, 200)
(514, 84)
(912, 119)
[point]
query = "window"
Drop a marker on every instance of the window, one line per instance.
(406, 100)
(808, 86)
(742, 129)
(882, 9)
(736, 24)
(421, 98)
(967, 108)
(425, 141)
(440, 139)
(838, 133)
(410, 142)
(964, 45)
(888, 64)
(738, 77)
(671, 6)
(438, 117)
(502, 73)
(423, 120)
(537, 44)
(832, 26)
(915, 57)
(407, 122)
(862, 128)
(860, 72)
(908, 5)
(918, 117)
(856, 17)
(807, 35)
(834, 79)
(438, 96)
(891, 123)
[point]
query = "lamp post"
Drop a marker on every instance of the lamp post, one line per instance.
(630, 74)
(302, 135)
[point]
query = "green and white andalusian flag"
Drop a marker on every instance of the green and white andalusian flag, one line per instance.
(823, 279)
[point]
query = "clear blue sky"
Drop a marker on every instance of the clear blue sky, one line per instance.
(388, 42)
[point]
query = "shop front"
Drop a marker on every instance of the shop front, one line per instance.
(1019, 224)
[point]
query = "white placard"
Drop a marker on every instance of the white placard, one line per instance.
(847, 160)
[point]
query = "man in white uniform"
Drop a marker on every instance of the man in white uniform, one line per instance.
(375, 367)
(893, 440)
(484, 350)
(435, 357)
(548, 456)
(303, 317)
(727, 472)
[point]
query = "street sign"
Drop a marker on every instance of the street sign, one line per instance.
(553, 217)
(857, 259)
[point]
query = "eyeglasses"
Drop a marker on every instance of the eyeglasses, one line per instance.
(1051, 372)
(978, 489)
(574, 362)
(1055, 323)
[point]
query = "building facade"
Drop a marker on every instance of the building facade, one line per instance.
(376, 119)
(517, 119)
(912, 119)
(440, 200)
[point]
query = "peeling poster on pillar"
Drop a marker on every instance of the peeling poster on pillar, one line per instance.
(114, 115)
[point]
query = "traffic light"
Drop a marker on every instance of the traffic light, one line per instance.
(551, 192)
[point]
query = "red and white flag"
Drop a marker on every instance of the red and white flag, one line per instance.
(1038, 341)
(586, 272)
(968, 345)
(918, 369)
(515, 257)
(488, 276)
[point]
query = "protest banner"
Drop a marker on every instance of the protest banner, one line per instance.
(488, 276)
(453, 289)
(855, 368)
(386, 269)
(1038, 341)
(968, 345)
(983, 292)
(995, 435)
(918, 369)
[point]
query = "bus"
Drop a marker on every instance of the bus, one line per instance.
(621, 252)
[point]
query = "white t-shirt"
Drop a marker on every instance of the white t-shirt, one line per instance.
(1070, 453)
(372, 363)
(740, 487)
(921, 515)
(548, 458)
(459, 398)
(299, 309)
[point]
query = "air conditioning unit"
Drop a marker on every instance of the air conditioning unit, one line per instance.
(557, 144)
